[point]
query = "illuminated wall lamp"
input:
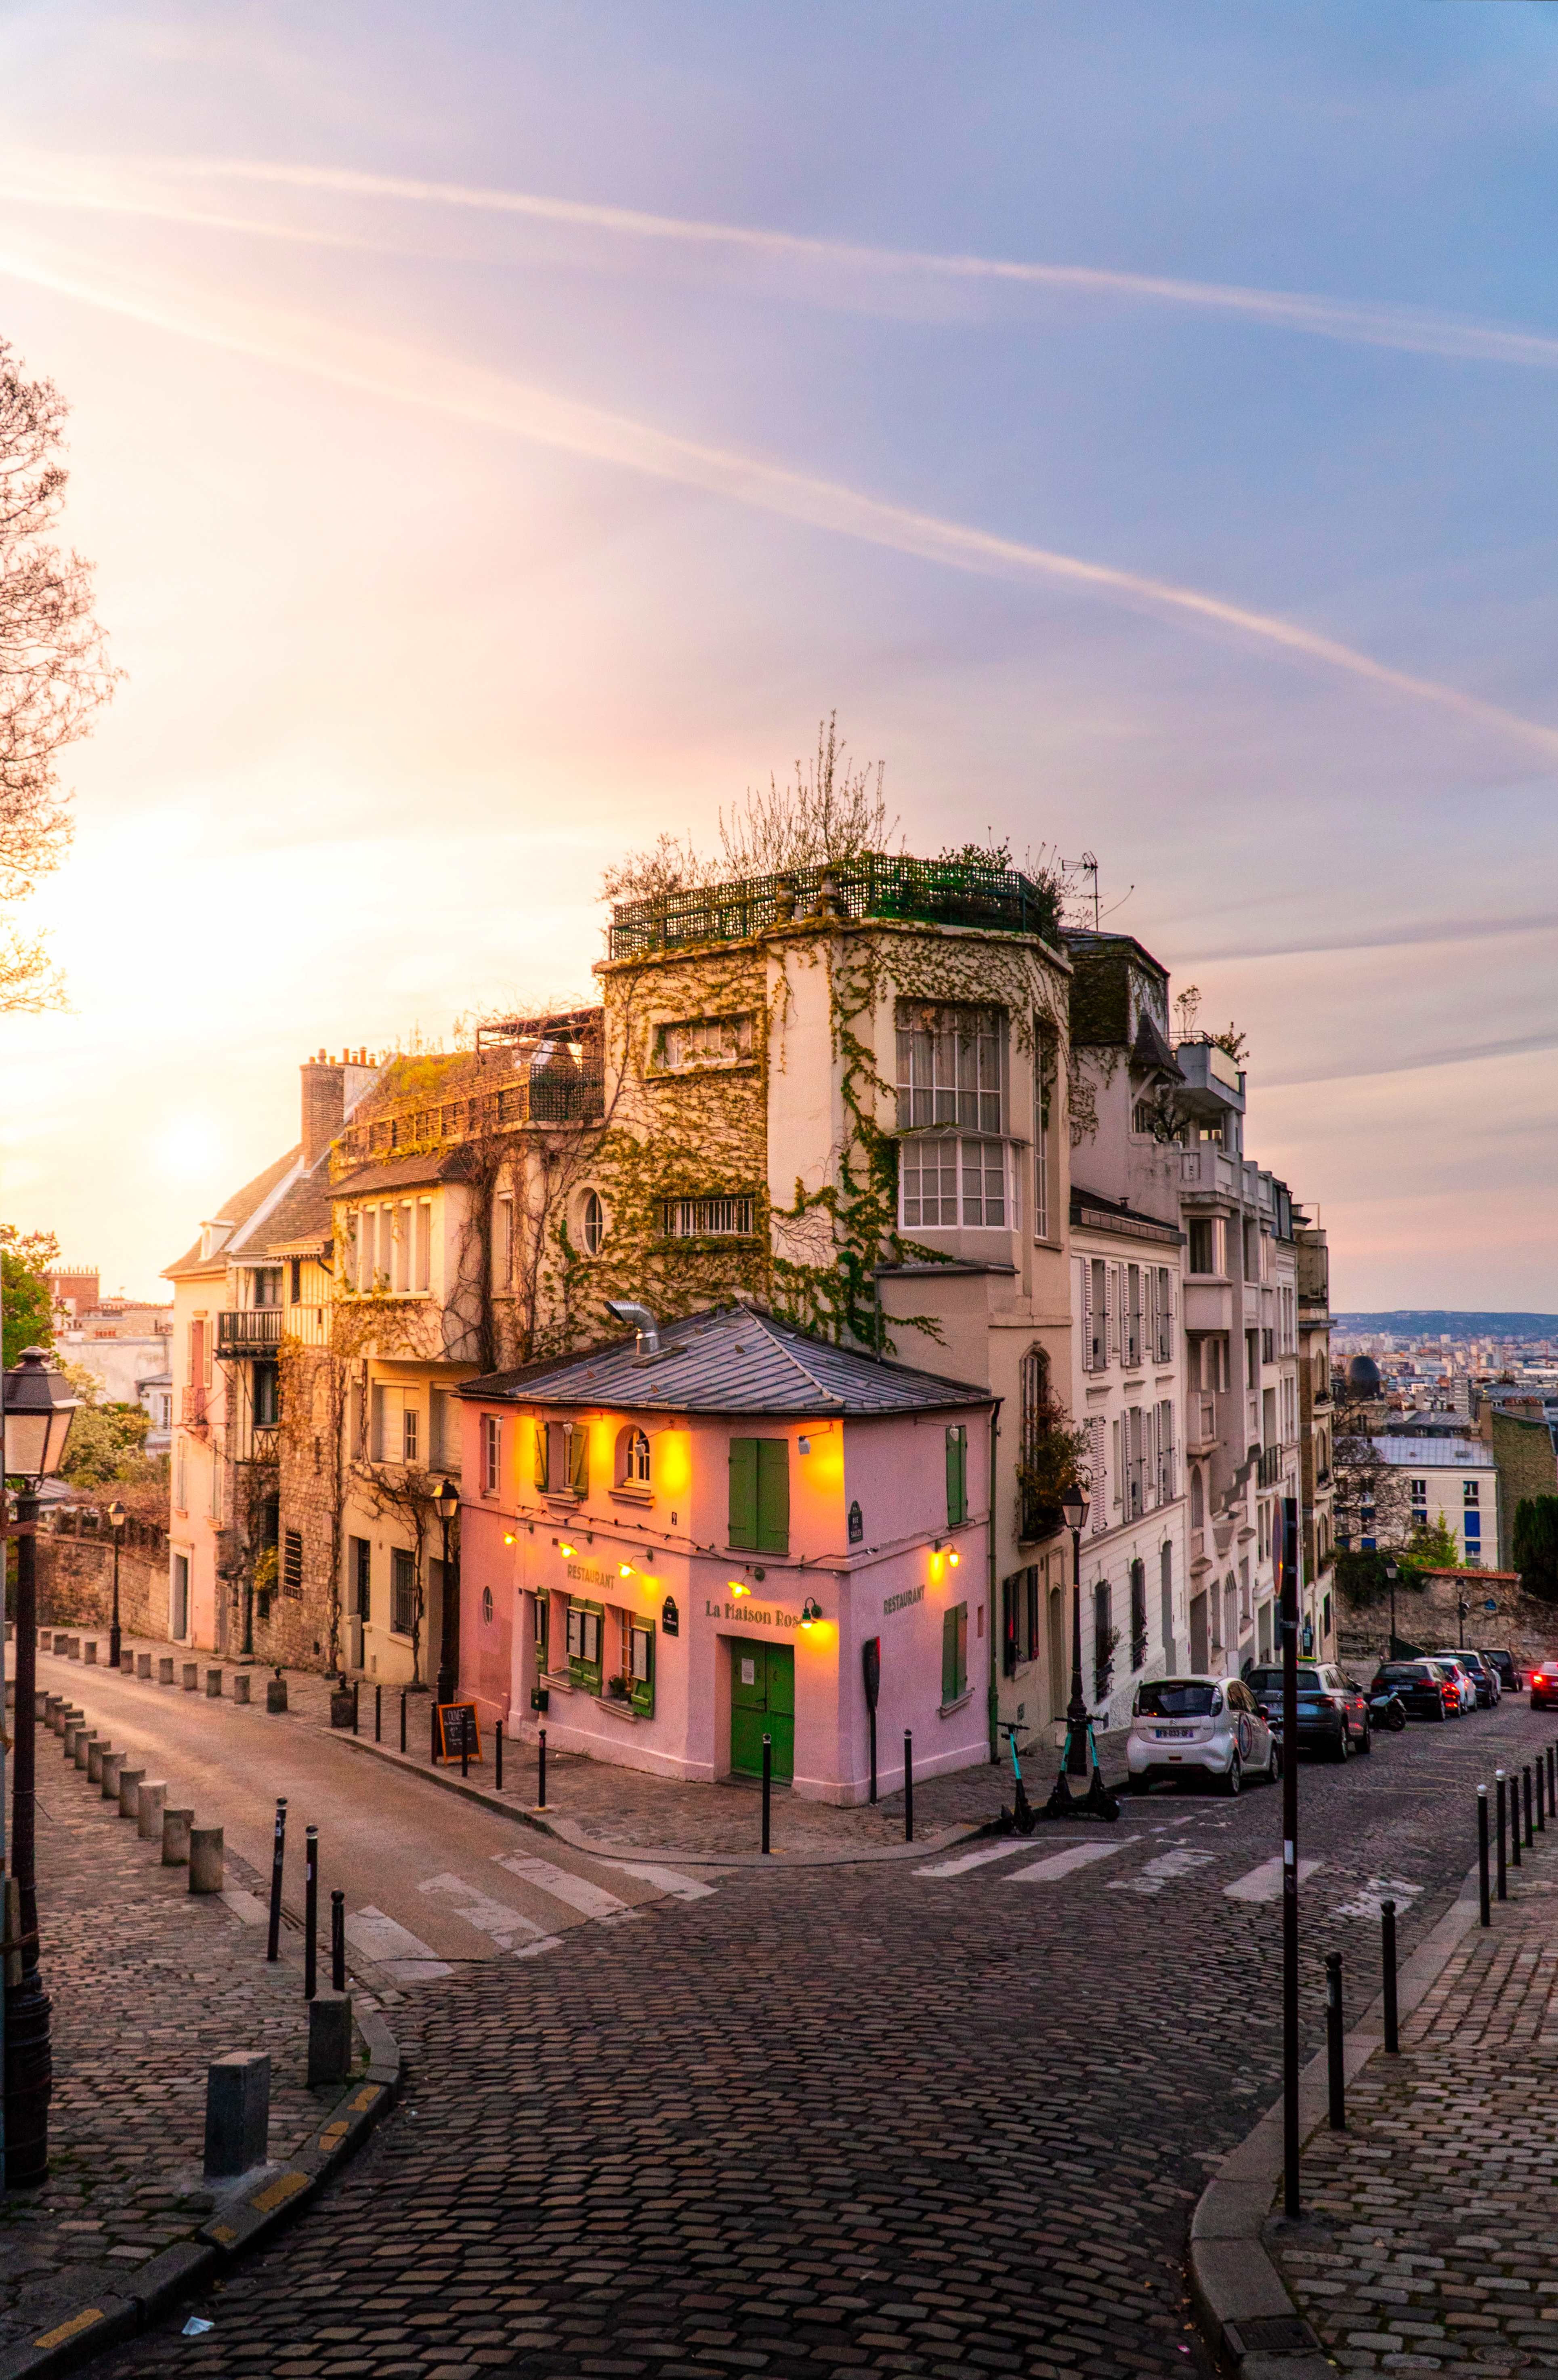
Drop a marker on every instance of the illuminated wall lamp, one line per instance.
(738, 1586)
(564, 1550)
(624, 1570)
(812, 1613)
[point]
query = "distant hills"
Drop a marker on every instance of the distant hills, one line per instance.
(1428, 1322)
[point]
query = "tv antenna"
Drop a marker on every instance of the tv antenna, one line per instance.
(1086, 866)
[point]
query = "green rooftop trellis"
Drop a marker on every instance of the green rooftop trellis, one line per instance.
(934, 892)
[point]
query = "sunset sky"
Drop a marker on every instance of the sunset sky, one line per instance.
(501, 431)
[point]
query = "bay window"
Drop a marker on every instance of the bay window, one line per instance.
(945, 1180)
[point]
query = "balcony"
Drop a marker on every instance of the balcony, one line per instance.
(938, 892)
(1271, 1466)
(263, 1445)
(1209, 1306)
(250, 1330)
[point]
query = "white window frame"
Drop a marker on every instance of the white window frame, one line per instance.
(952, 1067)
(492, 1455)
(955, 1164)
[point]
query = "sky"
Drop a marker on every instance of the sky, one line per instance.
(502, 431)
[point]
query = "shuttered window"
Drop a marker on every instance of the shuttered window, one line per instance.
(759, 1495)
(578, 1435)
(543, 1472)
(957, 1475)
(640, 1666)
(955, 1653)
(584, 1645)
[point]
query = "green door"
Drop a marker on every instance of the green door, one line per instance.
(762, 1702)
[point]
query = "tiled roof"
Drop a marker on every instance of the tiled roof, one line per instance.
(301, 1223)
(237, 1211)
(405, 1174)
(734, 1360)
(1119, 1215)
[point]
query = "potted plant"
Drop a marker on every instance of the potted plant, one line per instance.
(617, 1689)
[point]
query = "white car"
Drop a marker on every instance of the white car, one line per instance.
(1465, 1684)
(1200, 1727)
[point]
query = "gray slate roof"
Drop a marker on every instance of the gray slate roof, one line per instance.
(734, 1360)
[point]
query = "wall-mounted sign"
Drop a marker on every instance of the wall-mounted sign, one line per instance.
(857, 1525)
(670, 1619)
(749, 1618)
(591, 1574)
(901, 1602)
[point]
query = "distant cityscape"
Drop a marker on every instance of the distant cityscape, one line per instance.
(1434, 1360)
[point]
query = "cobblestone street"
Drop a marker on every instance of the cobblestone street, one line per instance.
(149, 1983)
(923, 2118)
(1433, 2211)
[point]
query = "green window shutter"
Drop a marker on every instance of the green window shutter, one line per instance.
(949, 1656)
(957, 1475)
(579, 1458)
(962, 1648)
(743, 1493)
(641, 1669)
(543, 1481)
(773, 1495)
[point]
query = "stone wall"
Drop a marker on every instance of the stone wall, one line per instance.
(1524, 1459)
(1428, 1615)
(76, 1586)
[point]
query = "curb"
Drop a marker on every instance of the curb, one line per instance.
(569, 1831)
(1239, 2295)
(249, 2222)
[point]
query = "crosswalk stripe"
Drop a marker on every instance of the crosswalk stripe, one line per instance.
(669, 1879)
(1264, 1883)
(1161, 1871)
(477, 1909)
(966, 1860)
(590, 1899)
(392, 1947)
(1379, 1889)
(1062, 1863)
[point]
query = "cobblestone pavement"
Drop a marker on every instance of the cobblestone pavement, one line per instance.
(1434, 2223)
(148, 1984)
(920, 2120)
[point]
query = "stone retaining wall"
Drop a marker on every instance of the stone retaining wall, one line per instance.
(1428, 1615)
(76, 1586)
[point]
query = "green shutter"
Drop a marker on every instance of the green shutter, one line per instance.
(957, 1476)
(542, 1480)
(955, 1653)
(579, 1458)
(641, 1638)
(743, 1493)
(962, 1648)
(773, 1495)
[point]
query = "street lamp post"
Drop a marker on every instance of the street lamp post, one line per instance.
(1393, 1575)
(447, 1503)
(1074, 1504)
(117, 1518)
(39, 1409)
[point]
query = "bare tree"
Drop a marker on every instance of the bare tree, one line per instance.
(54, 671)
(1370, 1498)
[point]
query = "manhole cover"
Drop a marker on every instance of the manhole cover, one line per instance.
(1275, 2333)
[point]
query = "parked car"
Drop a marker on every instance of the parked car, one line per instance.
(1465, 1684)
(1484, 1675)
(1333, 1709)
(1512, 1675)
(1545, 1686)
(1199, 1727)
(1423, 1686)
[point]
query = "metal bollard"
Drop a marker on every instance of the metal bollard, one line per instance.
(1530, 1833)
(378, 1714)
(402, 1719)
(1486, 1914)
(1503, 1868)
(1335, 2072)
(1551, 1779)
(278, 1855)
(1387, 1966)
(1515, 1819)
(338, 1941)
(1541, 1780)
(540, 1771)
(909, 1785)
(767, 1788)
(311, 1912)
(497, 1757)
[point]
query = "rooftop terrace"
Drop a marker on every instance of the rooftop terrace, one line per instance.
(932, 891)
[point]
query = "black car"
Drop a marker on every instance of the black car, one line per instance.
(1423, 1686)
(1481, 1671)
(1505, 1662)
(1333, 1709)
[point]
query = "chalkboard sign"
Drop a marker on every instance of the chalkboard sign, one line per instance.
(456, 1729)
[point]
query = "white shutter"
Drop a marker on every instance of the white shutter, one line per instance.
(1087, 1306)
(1111, 1312)
(1099, 1473)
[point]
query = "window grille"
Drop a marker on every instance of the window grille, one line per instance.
(698, 1218)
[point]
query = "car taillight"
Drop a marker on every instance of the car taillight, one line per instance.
(1537, 1678)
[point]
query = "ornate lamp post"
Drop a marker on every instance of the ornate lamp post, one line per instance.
(39, 1409)
(117, 1518)
(446, 1503)
(1074, 1505)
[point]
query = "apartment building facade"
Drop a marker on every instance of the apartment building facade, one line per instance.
(1315, 1415)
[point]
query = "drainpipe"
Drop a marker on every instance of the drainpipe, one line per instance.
(994, 1617)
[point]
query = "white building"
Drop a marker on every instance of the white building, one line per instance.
(1453, 1480)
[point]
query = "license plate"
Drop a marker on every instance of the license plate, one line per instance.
(1172, 1734)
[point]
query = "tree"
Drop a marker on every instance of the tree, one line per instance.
(1432, 1545)
(54, 671)
(25, 1257)
(1536, 1546)
(107, 1440)
(1370, 1497)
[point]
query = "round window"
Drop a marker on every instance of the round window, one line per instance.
(487, 1605)
(592, 1221)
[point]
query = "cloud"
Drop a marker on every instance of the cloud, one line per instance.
(1390, 938)
(392, 370)
(1427, 1061)
(1408, 329)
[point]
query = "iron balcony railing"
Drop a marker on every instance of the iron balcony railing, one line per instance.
(550, 1094)
(1271, 1465)
(250, 1330)
(264, 1444)
(879, 884)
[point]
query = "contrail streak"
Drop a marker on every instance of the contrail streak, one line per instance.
(1430, 1061)
(1411, 329)
(388, 369)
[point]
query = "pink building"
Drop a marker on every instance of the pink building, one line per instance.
(678, 1543)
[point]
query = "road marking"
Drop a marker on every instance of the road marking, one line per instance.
(391, 1947)
(247, 1905)
(1379, 1889)
(1264, 1883)
(505, 1925)
(590, 1899)
(1161, 1871)
(669, 1879)
(1062, 1863)
(966, 1860)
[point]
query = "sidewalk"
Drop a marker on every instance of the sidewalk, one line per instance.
(149, 1983)
(593, 1803)
(1433, 2244)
